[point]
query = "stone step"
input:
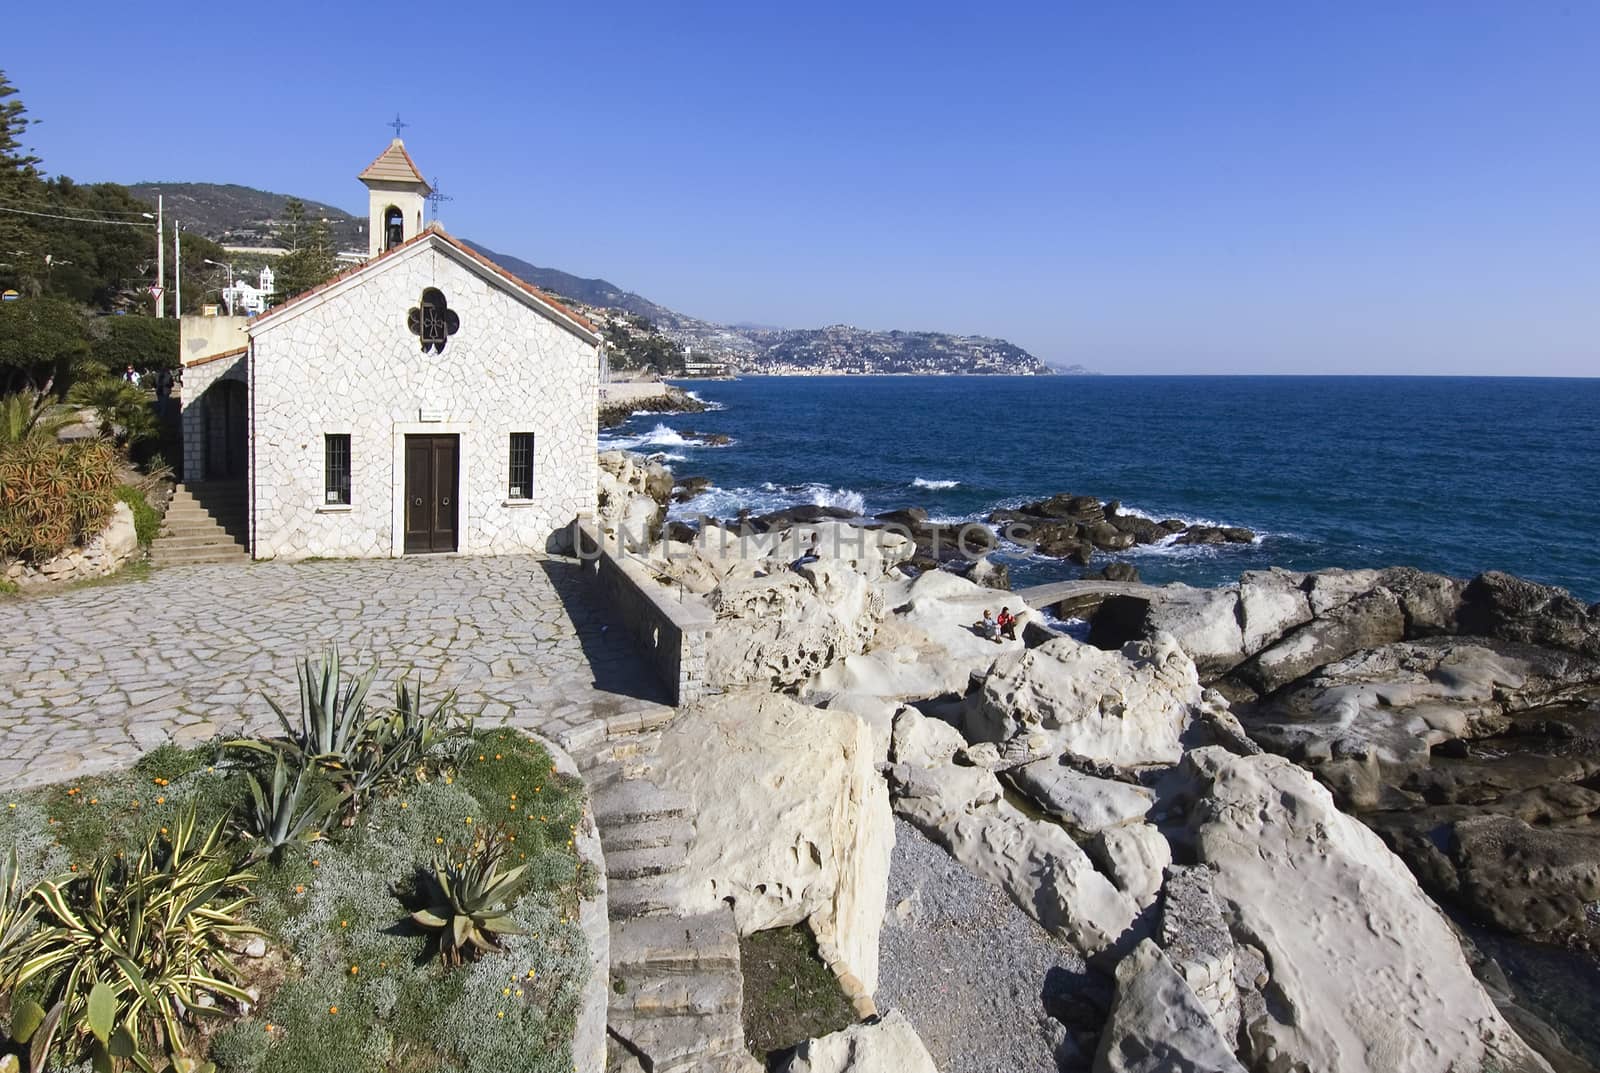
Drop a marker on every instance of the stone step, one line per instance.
(634, 801)
(644, 861)
(672, 831)
(641, 897)
(673, 994)
(675, 944)
(679, 1044)
(185, 541)
(220, 555)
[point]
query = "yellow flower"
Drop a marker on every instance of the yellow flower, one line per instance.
(333, 1010)
(513, 807)
(344, 923)
(497, 756)
(438, 841)
(530, 974)
(269, 1028)
(161, 801)
(354, 969)
(505, 991)
(405, 804)
(500, 1013)
(513, 797)
(469, 820)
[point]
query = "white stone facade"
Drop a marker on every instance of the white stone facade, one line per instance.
(344, 361)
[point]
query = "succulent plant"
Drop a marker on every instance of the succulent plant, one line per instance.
(426, 734)
(125, 952)
(285, 811)
(17, 910)
(469, 899)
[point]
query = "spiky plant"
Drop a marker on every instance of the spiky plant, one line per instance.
(123, 410)
(30, 413)
(53, 494)
(17, 910)
(469, 899)
(424, 734)
(126, 952)
(288, 810)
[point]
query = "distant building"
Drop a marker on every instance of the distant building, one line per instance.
(245, 300)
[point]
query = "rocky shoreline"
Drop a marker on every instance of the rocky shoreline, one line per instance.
(650, 398)
(1234, 805)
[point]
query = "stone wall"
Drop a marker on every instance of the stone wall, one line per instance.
(105, 554)
(672, 633)
(197, 378)
(345, 362)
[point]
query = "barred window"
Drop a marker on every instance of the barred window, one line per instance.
(521, 483)
(336, 469)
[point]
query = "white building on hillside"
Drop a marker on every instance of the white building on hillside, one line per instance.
(425, 401)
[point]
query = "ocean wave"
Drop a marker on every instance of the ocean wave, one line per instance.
(662, 435)
(711, 407)
(768, 497)
(924, 482)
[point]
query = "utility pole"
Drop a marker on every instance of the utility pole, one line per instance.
(161, 261)
(177, 270)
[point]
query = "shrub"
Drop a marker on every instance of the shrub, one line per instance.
(123, 410)
(53, 495)
(146, 522)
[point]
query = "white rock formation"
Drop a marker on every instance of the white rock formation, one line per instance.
(1128, 709)
(1366, 975)
(1157, 1024)
(1034, 861)
(631, 500)
(777, 631)
(1271, 603)
(1085, 804)
(792, 820)
(1135, 857)
(1204, 622)
(889, 1046)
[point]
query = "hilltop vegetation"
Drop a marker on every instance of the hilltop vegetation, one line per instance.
(244, 216)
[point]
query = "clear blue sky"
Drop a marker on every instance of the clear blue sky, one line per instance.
(1161, 187)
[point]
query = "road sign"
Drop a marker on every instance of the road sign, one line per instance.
(155, 292)
(9, 296)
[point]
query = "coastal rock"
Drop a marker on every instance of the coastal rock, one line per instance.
(888, 1045)
(690, 487)
(1116, 572)
(783, 628)
(1499, 605)
(1365, 621)
(1136, 857)
(1215, 534)
(1035, 862)
(1271, 603)
(1431, 603)
(1527, 880)
(792, 821)
(1204, 622)
(1195, 936)
(1126, 709)
(631, 498)
(1084, 804)
(1329, 905)
(1157, 1025)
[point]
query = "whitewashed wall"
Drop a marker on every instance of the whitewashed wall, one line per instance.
(344, 362)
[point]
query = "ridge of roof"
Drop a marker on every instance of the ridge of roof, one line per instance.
(435, 230)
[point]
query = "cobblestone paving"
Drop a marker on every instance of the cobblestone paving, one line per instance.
(91, 678)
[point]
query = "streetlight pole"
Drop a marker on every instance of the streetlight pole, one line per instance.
(161, 261)
(177, 270)
(227, 295)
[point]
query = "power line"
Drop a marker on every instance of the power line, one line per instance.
(54, 205)
(78, 219)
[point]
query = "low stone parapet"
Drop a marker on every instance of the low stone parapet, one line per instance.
(103, 555)
(672, 632)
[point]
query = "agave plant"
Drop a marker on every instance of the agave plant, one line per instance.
(127, 951)
(469, 900)
(285, 811)
(422, 733)
(333, 725)
(17, 910)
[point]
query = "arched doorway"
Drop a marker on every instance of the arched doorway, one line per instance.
(227, 437)
(394, 227)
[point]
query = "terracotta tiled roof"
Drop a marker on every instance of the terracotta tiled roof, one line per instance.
(209, 358)
(445, 236)
(394, 165)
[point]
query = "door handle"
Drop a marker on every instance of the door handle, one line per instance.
(445, 502)
(419, 501)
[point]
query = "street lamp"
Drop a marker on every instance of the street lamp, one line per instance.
(227, 294)
(161, 257)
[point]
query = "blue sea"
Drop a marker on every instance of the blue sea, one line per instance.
(1455, 475)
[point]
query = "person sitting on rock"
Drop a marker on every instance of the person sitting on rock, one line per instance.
(810, 555)
(989, 627)
(1007, 623)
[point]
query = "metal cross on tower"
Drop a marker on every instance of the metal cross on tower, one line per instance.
(436, 198)
(397, 124)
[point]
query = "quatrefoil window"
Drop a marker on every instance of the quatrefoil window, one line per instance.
(433, 321)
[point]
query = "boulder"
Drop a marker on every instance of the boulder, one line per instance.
(1527, 880)
(792, 821)
(1084, 804)
(1367, 975)
(1125, 709)
(1157, 1025)
(779, 630)
(1136, 857)
(1328, 589)
(1499, 605)
(1204, 622)
(1367, 621)
(1271, 603)
(1035, 862)
(886, 1045)
(1116, 572)
(1431, 603)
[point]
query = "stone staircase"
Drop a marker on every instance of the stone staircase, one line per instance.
(677, 993)
(205, 523)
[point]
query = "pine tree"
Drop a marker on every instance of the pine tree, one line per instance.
(20, 186)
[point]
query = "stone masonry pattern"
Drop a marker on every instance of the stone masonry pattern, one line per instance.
(91, 678)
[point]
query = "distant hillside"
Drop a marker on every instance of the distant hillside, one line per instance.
(243, 216)
(593, 292)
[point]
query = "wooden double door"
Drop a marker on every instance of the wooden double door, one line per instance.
(432, 484)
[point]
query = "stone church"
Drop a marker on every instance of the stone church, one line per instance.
(425, 401)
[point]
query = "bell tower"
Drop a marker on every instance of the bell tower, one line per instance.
(397, 192)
